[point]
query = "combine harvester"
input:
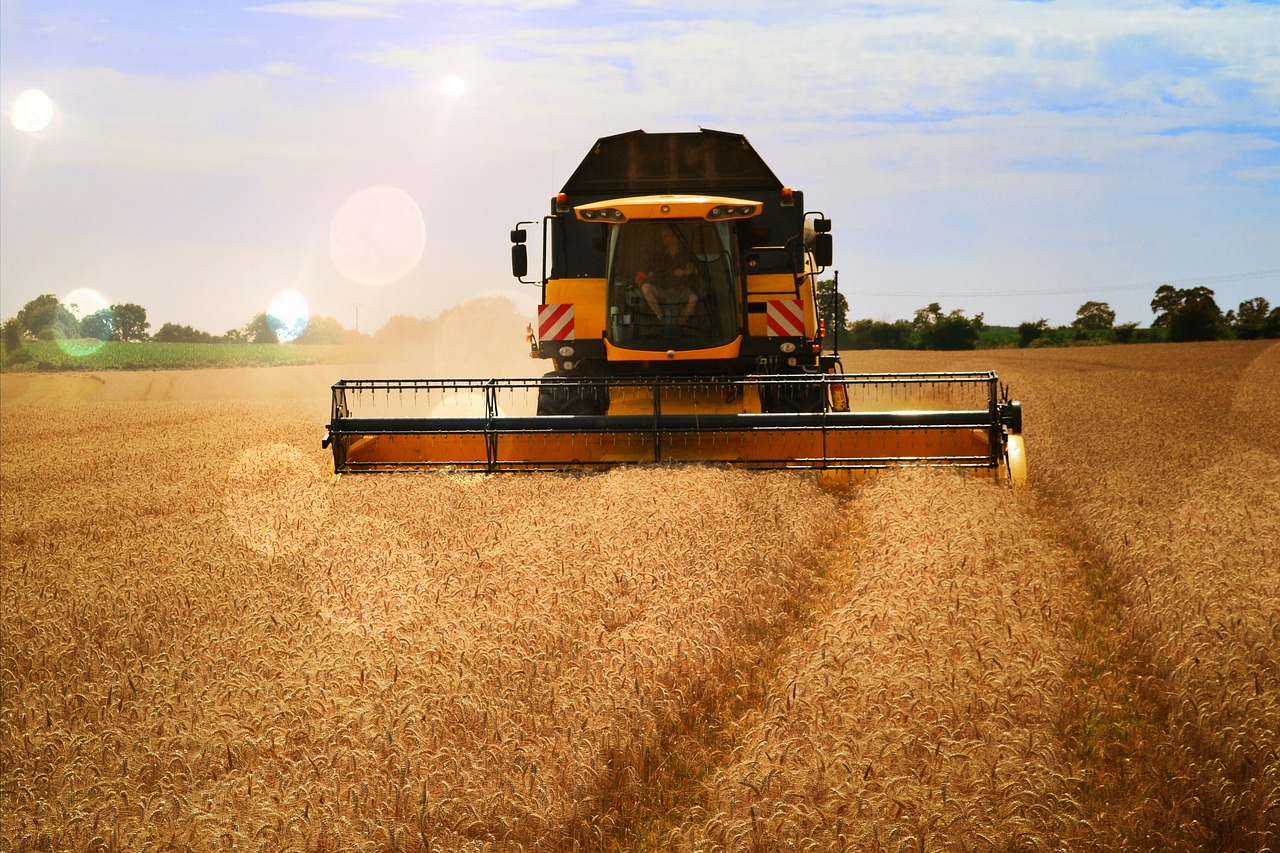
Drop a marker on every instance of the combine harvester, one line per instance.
(678, 282)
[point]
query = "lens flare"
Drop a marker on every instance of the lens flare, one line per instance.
(84, 303)
(291, 314)
(78, 347)
(33, 111)
(377, 236)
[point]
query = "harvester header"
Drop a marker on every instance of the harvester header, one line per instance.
(680, 319)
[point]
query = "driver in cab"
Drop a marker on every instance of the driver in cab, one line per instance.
(666, 285)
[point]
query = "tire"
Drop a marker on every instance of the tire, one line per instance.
(804, 397)
(559, 400)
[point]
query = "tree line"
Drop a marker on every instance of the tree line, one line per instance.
(46, 318)
(1181, 314)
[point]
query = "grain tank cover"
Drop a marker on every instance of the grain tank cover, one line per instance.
(637, 163)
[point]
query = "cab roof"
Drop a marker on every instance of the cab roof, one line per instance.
(709, 162)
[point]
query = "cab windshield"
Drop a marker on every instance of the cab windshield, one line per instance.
(671, 285)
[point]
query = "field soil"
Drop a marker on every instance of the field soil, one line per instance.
(207, 643)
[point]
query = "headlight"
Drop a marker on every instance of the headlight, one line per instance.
(609, 214)
(730, 211)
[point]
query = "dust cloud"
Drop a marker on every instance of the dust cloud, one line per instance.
(477, 339)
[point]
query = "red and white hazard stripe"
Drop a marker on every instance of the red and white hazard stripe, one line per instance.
(555, 322)
(785, 318)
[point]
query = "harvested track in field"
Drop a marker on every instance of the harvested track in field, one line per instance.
(206, 643)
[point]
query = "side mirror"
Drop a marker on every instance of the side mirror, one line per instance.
(822, 249)
(519, 260)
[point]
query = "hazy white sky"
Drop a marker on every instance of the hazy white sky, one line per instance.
(1004, 157)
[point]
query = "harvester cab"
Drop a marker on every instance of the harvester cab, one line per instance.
(679, 317)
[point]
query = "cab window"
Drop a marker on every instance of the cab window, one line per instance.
(671, 285)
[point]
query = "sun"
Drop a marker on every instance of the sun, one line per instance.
(33, 111)
(452, 86)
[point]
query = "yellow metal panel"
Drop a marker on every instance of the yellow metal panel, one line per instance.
(762, 448)
(671, 206)
(1017, 461)
(710, 399)
(587, 295)
(762, 288)
(729, 350)
(810, 314)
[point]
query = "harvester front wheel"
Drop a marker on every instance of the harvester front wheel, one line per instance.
(803, 397)
(556, 399)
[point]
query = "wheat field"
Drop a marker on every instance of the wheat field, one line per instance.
(207, 645)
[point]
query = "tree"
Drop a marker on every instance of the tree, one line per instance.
(129, 322)
(931, 313)
(1094, 316)
(98, 325)
(11, 333)
(265, 329)
(1163, 304)
(1028, 332)
(875, 334)
(322, 330)
(172, 333)
(120, 322)
(1255, 319)
(946, 332)
(1189, 314)
(46, 318)
(403, 329)
(832, 307)
(1125, 332)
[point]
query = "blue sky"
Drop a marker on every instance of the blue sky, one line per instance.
(1011, 158)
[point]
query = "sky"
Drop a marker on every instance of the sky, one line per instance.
(359, 159)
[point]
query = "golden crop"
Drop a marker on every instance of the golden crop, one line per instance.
(925, 705)
(207, 645)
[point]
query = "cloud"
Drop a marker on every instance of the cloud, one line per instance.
(329, 9)
(396, 9)
(294, 71)
(1261, 174)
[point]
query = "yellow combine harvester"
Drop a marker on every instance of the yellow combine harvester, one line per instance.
(678, 310)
